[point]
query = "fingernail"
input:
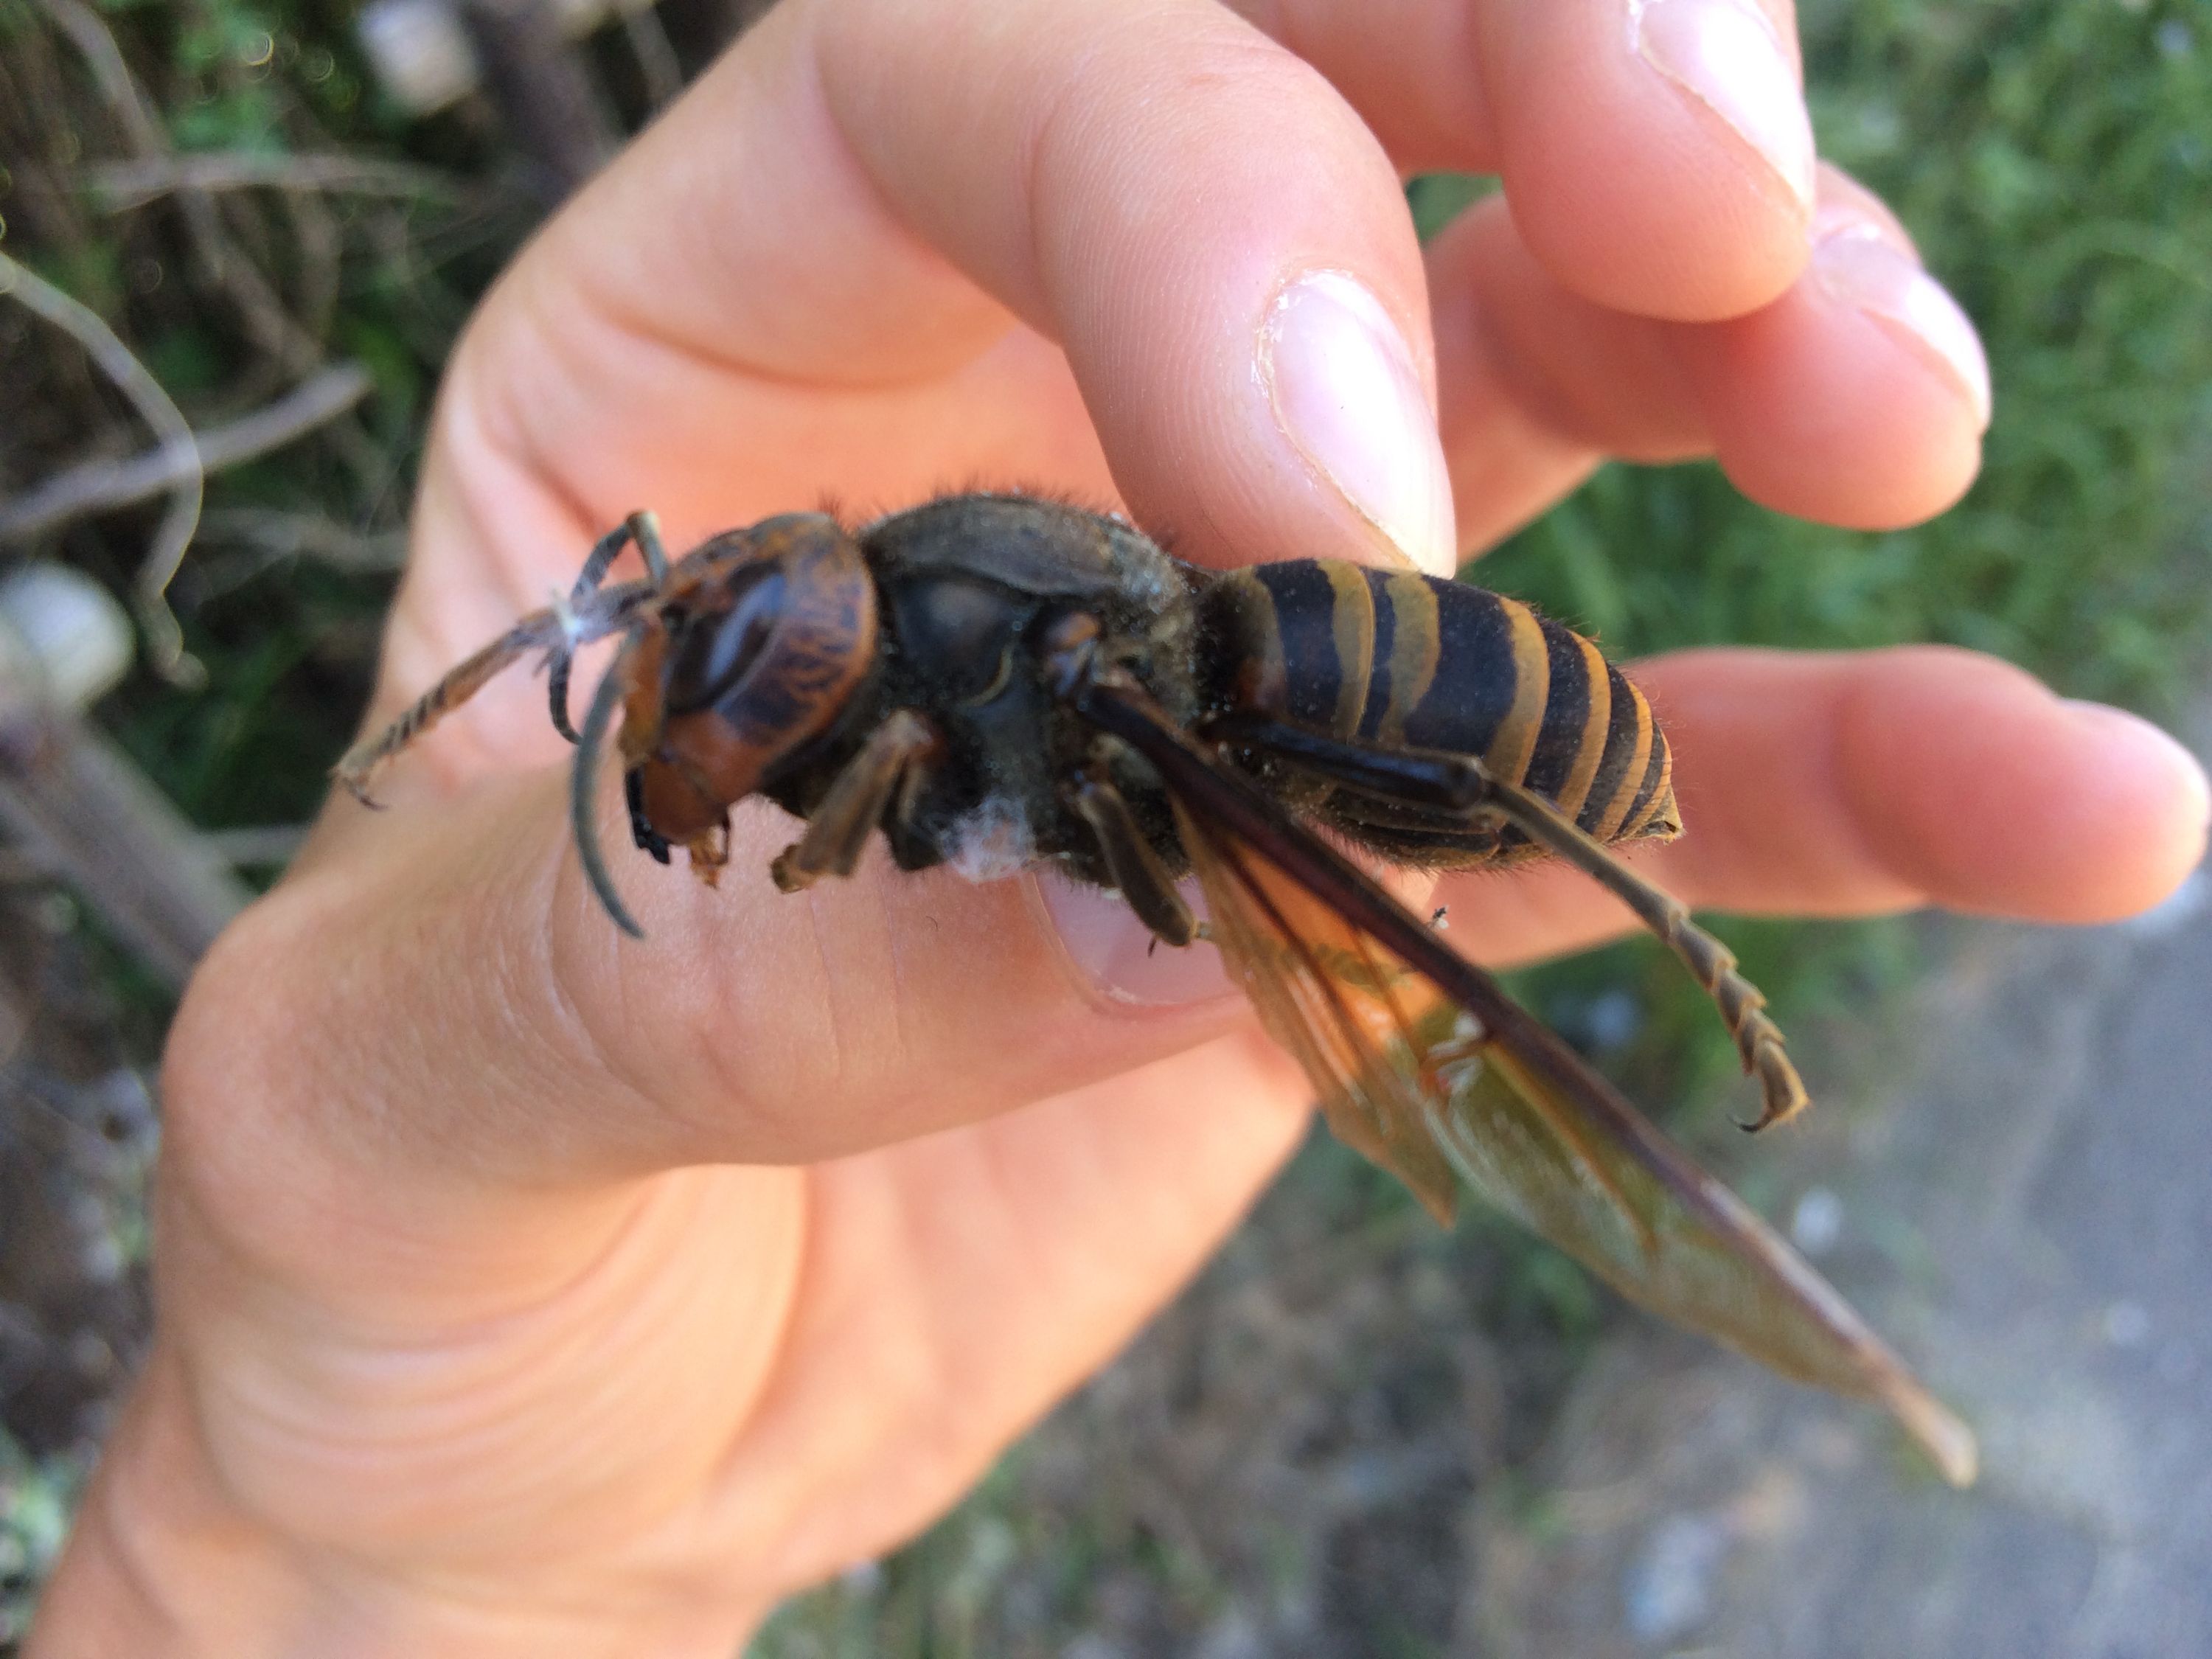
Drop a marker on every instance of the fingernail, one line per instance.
(1117, 953)
(1344, 387)
(1726, 54)
(1861, 266)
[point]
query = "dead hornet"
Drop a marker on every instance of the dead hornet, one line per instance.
(992, 679)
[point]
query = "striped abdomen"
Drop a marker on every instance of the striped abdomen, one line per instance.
(1408, 660)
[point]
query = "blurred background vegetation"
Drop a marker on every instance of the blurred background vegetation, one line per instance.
(282, 228)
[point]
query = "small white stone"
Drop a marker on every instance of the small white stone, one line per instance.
(1669, 1591)
(69, 627)
(420, 52)
(1817, 1222)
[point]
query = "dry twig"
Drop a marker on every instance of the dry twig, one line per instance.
(656, 57)
(180, 455)
(224, 262)
(123, 185)
(96, 486)
(276, 536)
(543, 88)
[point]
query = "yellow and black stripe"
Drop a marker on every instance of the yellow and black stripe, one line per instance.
(1407, 660)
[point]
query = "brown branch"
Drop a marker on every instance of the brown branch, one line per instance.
(74, 803)
(656, 56)
(543, 88)
(259, 847)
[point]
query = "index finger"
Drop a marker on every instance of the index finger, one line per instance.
(831, 266)
(1657, 154)
(1865, 783)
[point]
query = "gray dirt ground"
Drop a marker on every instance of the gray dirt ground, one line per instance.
(2040, 1245)
(2028, 1212)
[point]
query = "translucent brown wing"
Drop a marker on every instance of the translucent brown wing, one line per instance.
(1337, 1003)
(1425, 1065)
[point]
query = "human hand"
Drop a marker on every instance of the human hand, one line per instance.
(525, 1290)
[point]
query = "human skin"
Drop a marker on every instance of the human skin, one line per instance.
(523, 1290)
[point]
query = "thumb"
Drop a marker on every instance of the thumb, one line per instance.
(435, 1004)
(1209, 231)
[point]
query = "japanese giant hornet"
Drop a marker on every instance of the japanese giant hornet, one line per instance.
(991, 680)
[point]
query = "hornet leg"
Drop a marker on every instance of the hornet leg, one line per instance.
(597, 562)
(710, 854)
(891, 764)
(645, 529)
(641, 831)
(1459, 783)
(1136, 869)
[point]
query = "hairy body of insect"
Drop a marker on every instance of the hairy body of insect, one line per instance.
(902, 680)
(991, 680)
